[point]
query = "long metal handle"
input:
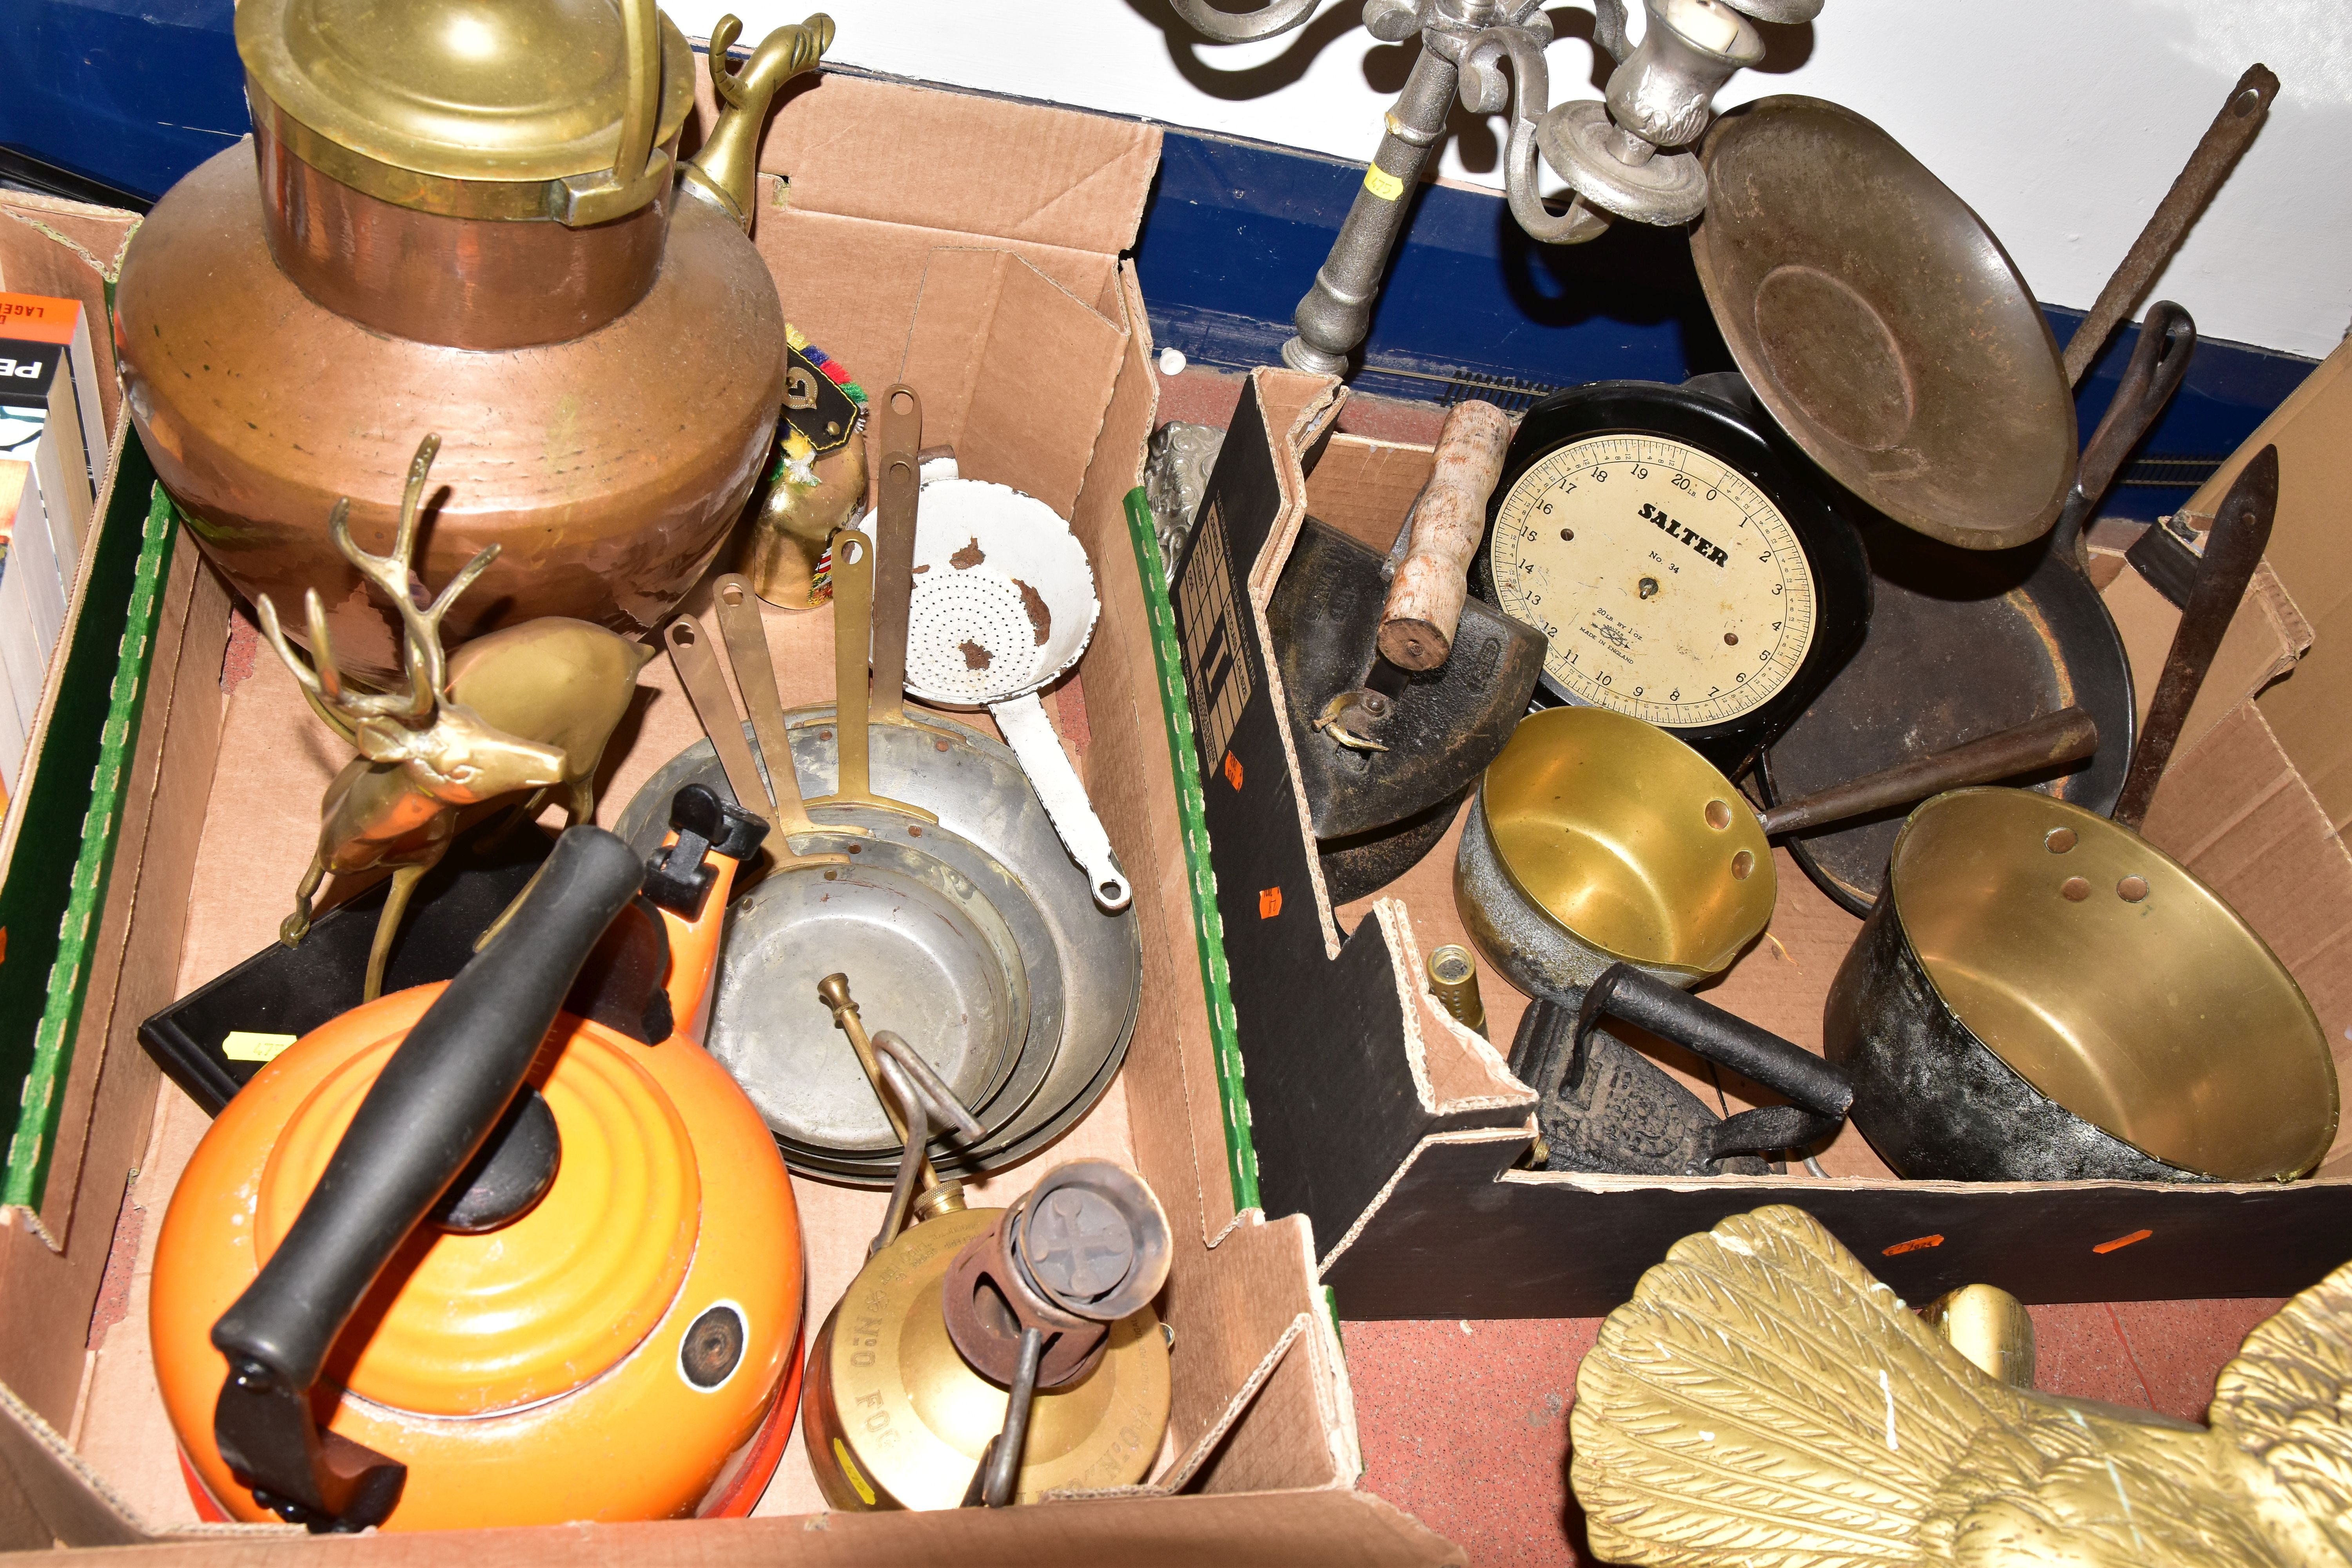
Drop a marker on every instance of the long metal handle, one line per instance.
(641, 40)
(922, 1097)
(698, 671)
(1063, 794)
(852, 633)
(899, 425)
(915, 1172)
(945, 1109)
(853, 636)
(746, 636)
(2217, 153)
(1004, 1454)
(2242, 532)
(1820, 1092)
(2068, 735)
(2159, 362)
(640, 170)
(834, 992)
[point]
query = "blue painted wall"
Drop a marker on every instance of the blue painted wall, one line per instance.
(136, 92)
(1235, 231)
(132, 93)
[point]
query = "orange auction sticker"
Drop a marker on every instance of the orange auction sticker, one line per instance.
(1913, 1245)
(1269, 903)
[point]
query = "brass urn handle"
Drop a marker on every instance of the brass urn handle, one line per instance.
(639, 168)
(727, 168)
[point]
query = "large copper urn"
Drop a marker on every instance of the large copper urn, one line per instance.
(463, 216)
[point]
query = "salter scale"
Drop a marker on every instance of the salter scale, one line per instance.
(1685, 565)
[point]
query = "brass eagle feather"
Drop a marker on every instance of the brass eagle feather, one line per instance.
(1762, 1401)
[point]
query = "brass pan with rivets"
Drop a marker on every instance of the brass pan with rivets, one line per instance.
(2043, 995)
(1596, 839)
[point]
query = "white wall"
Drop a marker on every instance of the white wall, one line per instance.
(2062, 122)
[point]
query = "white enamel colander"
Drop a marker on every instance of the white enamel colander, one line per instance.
(1003, 603)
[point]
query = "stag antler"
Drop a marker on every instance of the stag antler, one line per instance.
(422, 656)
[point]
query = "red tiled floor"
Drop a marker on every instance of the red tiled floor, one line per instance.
(2180, 1347)
(1468, 1431)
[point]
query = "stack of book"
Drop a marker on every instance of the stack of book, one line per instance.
(53, 447)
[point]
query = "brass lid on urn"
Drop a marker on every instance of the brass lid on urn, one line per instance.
(483, 109)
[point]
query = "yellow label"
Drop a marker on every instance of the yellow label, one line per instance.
(849, 1468)
(1383, 184)
(246, 1046)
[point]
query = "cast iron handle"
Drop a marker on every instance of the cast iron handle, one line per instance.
(2242, 532)
(2066, 736)
(1820, 1092)
(419, 1126)
(2218, 151)
(2167, 340)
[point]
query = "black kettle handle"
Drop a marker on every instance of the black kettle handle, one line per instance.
(1819, 1093)
(420, 1124)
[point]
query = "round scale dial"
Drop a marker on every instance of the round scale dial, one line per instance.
(1669, 586)
(1686, 567)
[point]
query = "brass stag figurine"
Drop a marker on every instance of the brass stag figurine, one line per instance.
(526, 708)
(1763, 1401)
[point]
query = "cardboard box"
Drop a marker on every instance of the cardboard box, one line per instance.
(2312, 431)
(970, 247)
(1399, 1132)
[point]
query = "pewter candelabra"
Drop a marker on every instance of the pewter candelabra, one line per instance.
(1621, 156)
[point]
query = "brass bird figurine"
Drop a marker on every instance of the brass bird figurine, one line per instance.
(1763, 1401)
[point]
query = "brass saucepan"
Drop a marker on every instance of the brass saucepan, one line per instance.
(2047, 997)
(1597, 840)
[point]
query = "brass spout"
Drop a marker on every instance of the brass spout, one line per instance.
(727, 168)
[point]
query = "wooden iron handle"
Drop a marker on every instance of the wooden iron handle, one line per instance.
(1425, 603)
(2066, 736)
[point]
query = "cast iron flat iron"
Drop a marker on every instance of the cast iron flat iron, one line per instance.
(1606, 1107)
(1401, 691)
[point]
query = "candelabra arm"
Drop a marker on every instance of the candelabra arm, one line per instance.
(1608, 29)
(1242, 27)
(1528, 94)
(1337, 313)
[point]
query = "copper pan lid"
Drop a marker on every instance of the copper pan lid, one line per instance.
(481, 109)
(1883, 325)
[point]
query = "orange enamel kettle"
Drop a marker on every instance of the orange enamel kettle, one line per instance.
(508, 1251)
